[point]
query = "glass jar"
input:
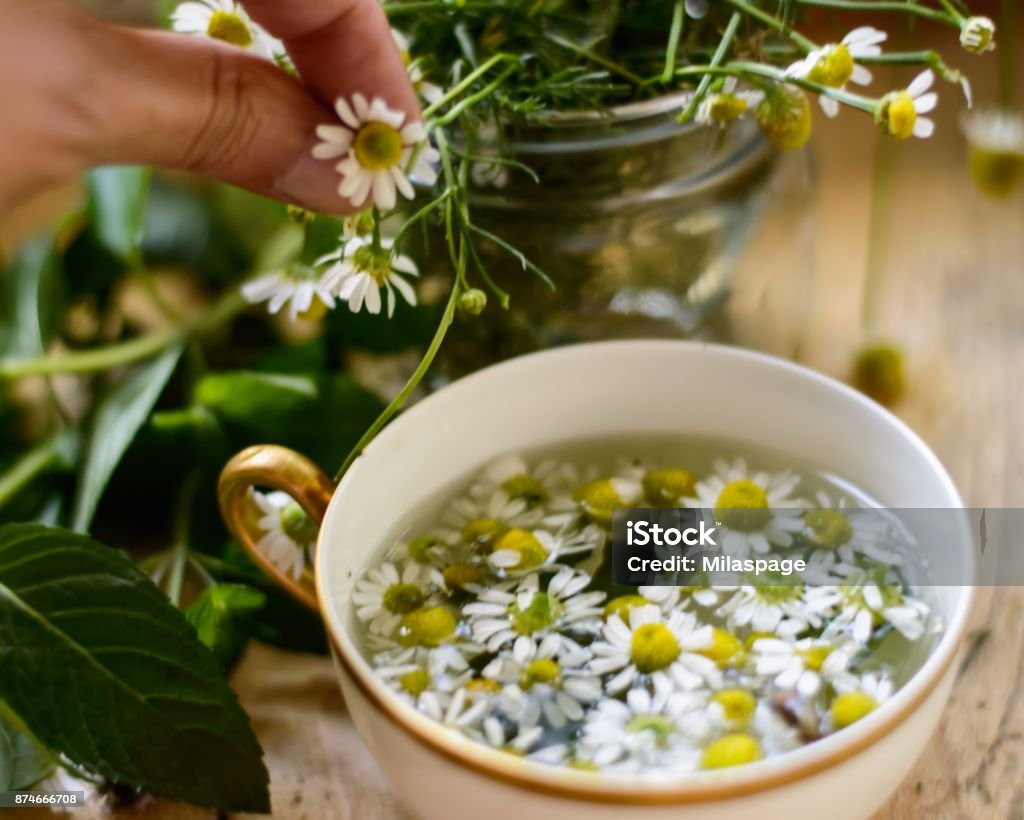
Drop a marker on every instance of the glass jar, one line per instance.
(637, 220)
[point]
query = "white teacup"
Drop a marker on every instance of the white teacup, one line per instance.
(594, 390)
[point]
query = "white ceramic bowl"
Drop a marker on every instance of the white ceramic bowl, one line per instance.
(611, 389)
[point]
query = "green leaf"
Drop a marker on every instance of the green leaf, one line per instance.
(223, 617)
(23, 760)
(102, 668)
(27, 324)
(117, 206)
(118, 418)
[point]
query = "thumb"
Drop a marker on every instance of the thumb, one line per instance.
(202, 106)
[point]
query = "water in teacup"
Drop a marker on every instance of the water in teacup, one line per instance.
(494, 610)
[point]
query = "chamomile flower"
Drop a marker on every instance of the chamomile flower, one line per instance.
(783, 608)
(653, 646)
(838, 533)
(385, 595)
(303, 288)
(867, 602)
(479, 521)
(995, 149)
(359, 272)
(546, 679)
(548, 483)
(510, 736)
(856, 699)
(425, 677)
(727, 104)
(227, 21)
(519, 550)
(835, 64)
(428, 91)
(755, 510)
(899, 112)
(516, 608)
(978, 34)
(599, 498)
(376, 146)
(643, 732)
(289, 534)
(801, 665)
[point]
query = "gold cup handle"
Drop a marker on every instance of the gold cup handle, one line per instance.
(267, 465)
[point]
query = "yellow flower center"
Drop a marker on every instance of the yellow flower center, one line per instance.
(415, 682)
(525, 544)
(623, 605)
(378, 146)
(731, 750)
(297, 525)
(784, 118)
(996, 172)
(850, 707)
(542, 612)
(834, 68)
(776, 593)
(814, 656)
(403, 598)
(725, 648)
(316, 311)
(737, 704)
(376, 263)
(598, 500)
(743, 506)
(428, 627)
(828, 528)
(900, 115)
(526, 488)
(653, 648)
(542, 670)
(661, 727)
(727, 107)
(878, 372)
(459, 576)
(229, 27)
(664, 488)
(484, 686)
(420, 548)
(483, 533)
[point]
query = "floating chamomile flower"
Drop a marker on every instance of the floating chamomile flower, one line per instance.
(857, 698)
(727, 104)
(376, 146)
(520, 550)
(546, 679)
(835, 65)
(428, 91)
(801, 665)
(426, 678)
(995, 150)
(510, 737)
(643, 732)
(303, 288)
(599, 498)
(866, 602)
(755, 510)
(227, 21)
(653, 645)
(783, 608)
(289, 534)
(384, 596)
(841, 534)
(548, 483)
(362, 268)
(512, 609)
(899, 112)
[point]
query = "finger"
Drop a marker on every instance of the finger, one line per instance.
(340, 47)
(202, 106)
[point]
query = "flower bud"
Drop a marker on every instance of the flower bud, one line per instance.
(878, 372)
(300, 216)
(784, 117)
(977, 35)
(472, 302)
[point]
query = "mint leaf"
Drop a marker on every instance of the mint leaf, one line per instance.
(100, 667)
(23, 760)
(118, 418)
(223, 617)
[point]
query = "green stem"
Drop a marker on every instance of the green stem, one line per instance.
(467, 102)
(133, 350)
(466, 82)
(774, 23)
(34, 463)
(179, 547)
(398, 401)
(954, 12)
(675, 32)
(377, 246)
(883, 5)
(716, 60)
(926, 57)
(611, 65)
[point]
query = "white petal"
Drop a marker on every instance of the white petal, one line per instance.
(921, 83)
(926, 103)
(346, 114)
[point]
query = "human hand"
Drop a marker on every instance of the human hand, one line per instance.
(77, 92)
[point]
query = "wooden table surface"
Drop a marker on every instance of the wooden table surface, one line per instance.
(951, 270)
